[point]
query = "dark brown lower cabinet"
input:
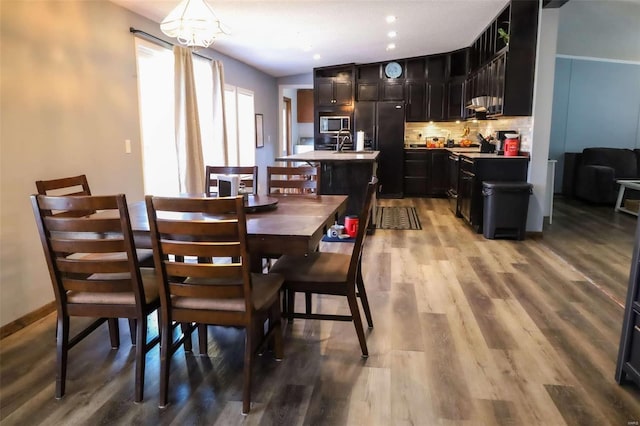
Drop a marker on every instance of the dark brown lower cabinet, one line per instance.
(425, 172)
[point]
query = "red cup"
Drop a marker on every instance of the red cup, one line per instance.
(351, 226)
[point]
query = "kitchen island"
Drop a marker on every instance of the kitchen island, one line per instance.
(342, 173)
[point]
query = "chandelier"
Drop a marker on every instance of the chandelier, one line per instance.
(193, 23)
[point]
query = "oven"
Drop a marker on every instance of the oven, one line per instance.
(453, 171)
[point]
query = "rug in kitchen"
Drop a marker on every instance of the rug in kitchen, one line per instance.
(397, 218)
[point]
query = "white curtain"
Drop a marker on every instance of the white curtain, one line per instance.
(188, 140)
(219, 117)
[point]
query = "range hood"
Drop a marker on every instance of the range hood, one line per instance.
(482, 103)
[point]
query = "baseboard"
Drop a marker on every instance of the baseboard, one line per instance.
(30, 318)
(534, 235)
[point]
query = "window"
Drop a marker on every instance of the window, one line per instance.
(241, 129)
(156, 102)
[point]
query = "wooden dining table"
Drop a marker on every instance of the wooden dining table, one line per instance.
(295, 225)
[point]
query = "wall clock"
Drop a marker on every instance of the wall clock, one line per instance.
(393, 70)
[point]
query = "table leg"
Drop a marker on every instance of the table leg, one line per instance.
(620, 197)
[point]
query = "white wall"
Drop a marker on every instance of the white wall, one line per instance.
(68, 100)
(597, 78)
(600, 28)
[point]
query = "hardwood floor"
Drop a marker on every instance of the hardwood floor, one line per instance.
(468, 331)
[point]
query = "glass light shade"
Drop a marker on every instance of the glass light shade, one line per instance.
(193, 23)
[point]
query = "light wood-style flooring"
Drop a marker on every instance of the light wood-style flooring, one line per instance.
(467, 331)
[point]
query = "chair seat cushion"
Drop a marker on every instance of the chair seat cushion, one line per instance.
(265, 288)
(315, 267)
(149, 282)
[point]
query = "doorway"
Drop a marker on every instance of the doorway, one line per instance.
(286, 146)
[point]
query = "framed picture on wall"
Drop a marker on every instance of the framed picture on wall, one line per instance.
(259, 131)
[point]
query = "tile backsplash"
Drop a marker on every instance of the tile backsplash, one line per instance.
(451, 130)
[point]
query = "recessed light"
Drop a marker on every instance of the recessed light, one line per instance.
(391, 19)
(391, 46)
(316, 56)
(392, 34)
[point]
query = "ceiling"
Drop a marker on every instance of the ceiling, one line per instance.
(281, 37)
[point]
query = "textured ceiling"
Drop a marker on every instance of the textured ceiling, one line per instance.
(281, 37)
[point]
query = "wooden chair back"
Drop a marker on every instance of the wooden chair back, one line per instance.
(293, 180)
(200, 246)
(68, 186)
(74, 185)
(92, 255)
(248, 176)
(363, 223)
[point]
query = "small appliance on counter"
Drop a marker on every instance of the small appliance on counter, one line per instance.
(511, 145)
(501, 135)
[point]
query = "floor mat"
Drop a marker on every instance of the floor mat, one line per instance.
(397, 218)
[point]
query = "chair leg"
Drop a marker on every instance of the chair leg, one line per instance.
(248, 363)
(141, 343)
(186, 331)
(307, 302)
(291, 303)
(114, 332)
(165, 361)
(203, 339)
(62, 349)
(275, 323)
(363, 298)
(132, 330)
(357, 322)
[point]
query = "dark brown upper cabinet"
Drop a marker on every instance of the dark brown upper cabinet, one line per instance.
(334, 92)
(392, 90)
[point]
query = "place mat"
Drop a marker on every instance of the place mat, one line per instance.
(327, 239)
(399, 218)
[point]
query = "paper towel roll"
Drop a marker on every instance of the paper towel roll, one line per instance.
(360, 141)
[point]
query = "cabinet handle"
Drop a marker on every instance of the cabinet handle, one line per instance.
(636, 328)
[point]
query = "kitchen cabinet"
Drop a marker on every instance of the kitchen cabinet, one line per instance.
(305, 105)
(425, 172)
(332, 91)
(476, 168)
(416, 101)
(505, 72)
(392, 90)
(368, 82)
(436, 100)
(455, 99)
(628, 365)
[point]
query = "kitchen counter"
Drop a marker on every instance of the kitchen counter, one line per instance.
(476, 154)
(342, 173)
(332, 156)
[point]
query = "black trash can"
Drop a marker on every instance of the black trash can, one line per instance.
(505, 209)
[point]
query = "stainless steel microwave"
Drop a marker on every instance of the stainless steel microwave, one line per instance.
(333, 123)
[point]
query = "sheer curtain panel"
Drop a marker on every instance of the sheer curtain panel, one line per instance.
(188, 140)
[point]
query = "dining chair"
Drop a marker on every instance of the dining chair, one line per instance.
(328, 273)
(293, 180)
(95, 272)
(215, 290)
(70, 186)
(248, 176)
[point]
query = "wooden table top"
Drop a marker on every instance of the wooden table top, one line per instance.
(295, 226)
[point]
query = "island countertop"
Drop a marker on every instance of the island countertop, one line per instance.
(332, 156)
